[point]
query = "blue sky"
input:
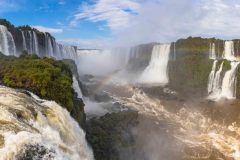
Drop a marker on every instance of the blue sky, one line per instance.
(105, 23)
(55, 14)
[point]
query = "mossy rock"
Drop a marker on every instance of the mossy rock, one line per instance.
(48, 78)
(111, 133)
(189, 74)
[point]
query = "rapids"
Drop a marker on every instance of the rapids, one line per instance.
(195, 130)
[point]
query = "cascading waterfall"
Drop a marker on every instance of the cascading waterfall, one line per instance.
(217, 80)
(229, 51)
(76, 87)
(7, 44)
(50, 47)
(212, 51)
(229, 82)
(215, 84)
(30, 42)
(40, 128)
(225, 88)
(156, 72)
(24, 41)
(211, 77)
(35, 40)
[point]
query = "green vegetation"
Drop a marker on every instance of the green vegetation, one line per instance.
(198, 45)
(111, 133)
(189, 74)
(45, 77)
(6, 23)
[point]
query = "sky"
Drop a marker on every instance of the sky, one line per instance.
(107, 23)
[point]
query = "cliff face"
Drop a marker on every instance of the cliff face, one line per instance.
(48, 78)
(189, 64)
(33, 41)
(139, 57)
(78, 110)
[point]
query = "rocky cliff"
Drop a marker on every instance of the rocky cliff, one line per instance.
(15, 40)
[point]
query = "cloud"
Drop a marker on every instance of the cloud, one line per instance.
(98, 43)
(47, 29)
(116, 13)
(142, 21)
(168, 20)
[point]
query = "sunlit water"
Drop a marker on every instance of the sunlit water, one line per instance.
(190, 127)
(41, 129)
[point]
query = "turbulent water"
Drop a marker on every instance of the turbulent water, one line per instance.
(200, 134)
(157, 71)
(32, 128)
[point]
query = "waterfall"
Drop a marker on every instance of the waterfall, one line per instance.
(229, 51)
(229, 82)
(174, 52)
(214, 87)
(38, 128)
(76, 87)
(50, 47)
(212, 51)
(226, 88)
(30, 42)
(35, 40)
(211, 77)
(157, 70)
(24, 41)
(217, 80)
(7, 45)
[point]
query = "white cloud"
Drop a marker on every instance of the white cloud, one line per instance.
(141, 21)
(98, 43)
(47, 29)
(168, 20)
(115, 12)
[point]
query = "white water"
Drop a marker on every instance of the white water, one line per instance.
(76, 87)
(211, 77)
(24, 41)
(229, 51)
(7, 44)
(28, 122)
(226, 89)
(30, 42)
(212, 51)
(192, 128)
(157, 70)
(35, 40)
(229, 82)
(217, 80)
